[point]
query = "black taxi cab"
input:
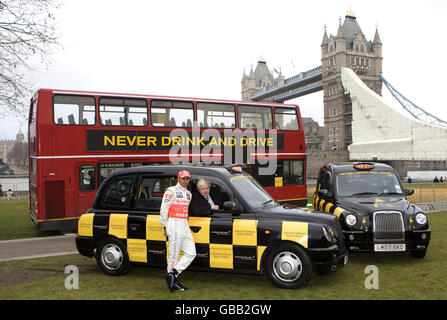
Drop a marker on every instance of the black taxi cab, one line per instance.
(252, 233)
(372, 206)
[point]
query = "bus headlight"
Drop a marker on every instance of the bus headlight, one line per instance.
(351, 219)
(421, 218)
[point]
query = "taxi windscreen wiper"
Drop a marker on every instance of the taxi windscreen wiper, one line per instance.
(363, 193)
(266, 202)
(390, 193)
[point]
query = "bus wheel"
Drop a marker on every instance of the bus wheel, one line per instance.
(288, 266)
(112, 257)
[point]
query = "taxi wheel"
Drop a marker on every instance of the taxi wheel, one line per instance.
(111, 256)
(288, 266)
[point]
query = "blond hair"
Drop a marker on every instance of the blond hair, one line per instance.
(202, 182)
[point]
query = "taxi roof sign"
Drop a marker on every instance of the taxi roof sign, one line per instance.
(234, 168)
(237, 169)
(364, 166)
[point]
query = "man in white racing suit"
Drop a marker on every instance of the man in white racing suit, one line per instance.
(174, 218)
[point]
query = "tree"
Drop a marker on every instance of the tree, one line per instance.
(27, 30)
(19, 154)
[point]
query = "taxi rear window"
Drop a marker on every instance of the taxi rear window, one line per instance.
(118, 193)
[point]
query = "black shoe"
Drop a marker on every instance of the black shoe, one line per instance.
(170, 280)
(178, 287)
(178, 284)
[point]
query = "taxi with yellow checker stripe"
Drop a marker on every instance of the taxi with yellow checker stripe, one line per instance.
(372, 206)
(252, 233)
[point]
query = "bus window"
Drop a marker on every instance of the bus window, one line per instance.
(265, 180)
(293, 172)
(286, 119)
(211, 115)
(172, 113)
(33, 111)
(255, 117)
(137, 116)
(87, 178)
(106, 169)
(74, 110)
(123, 112)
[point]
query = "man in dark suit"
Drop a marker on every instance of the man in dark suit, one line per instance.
(203, 203)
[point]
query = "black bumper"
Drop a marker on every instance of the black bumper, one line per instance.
(328, 259)
(86, 246)
(415, 240)
(66, 225)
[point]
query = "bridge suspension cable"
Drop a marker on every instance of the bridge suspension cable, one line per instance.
(416, 111)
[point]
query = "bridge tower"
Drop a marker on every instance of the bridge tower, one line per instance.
(258, 80)
(349, 48)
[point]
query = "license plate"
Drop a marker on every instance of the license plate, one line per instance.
(384, 247)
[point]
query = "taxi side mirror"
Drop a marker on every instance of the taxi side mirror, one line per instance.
(409, 192)
(229, 206)
(325, 193)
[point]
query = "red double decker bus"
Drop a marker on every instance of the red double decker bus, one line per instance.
(77, 138)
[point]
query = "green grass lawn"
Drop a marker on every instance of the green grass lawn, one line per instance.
(400, 277)
(15, 222)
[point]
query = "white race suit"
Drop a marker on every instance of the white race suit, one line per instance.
(174, 217)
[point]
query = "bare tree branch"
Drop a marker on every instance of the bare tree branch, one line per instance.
(27, 30)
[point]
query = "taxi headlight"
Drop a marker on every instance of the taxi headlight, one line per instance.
(351, 219)
(421, 218)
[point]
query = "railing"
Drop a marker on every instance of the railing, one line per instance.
(302, 75)
(416, 111)
(290, 84)
(19, 189)
(429, 195)
(294, 93)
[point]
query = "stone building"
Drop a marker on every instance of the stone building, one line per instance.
(7, 145)
(259, 80)
(348, 48)
(313, 133)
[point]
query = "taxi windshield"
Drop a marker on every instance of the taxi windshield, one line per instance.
(252, 192)
(364, 183)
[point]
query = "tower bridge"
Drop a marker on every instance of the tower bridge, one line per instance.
(303, 83)
(358, 123)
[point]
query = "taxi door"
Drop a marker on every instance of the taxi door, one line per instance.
(150, 237)
(324, 190)
(233, 240)
(225, 240)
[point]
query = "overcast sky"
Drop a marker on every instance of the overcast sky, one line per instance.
(200, 48)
